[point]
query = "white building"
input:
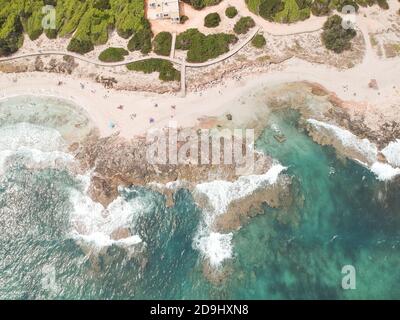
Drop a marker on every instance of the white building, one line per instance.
(163, 9)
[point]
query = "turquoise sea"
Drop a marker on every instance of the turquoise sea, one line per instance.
(340, 215)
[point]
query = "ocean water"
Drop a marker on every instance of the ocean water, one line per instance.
(56, 243)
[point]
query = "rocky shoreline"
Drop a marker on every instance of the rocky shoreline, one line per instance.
(117, 162)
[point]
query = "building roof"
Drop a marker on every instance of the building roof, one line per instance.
(163, 9)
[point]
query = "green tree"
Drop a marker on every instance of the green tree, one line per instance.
(80, 46)
(102, 4)
(203, 47)
(212, 20)
(11, 35)
(166, 69)
(258, 41)
(162, 43)
(268, 8)
(141, 40)
(113, 54)
(335, 37)
(320, 7)
(244, 25)
(231, 12)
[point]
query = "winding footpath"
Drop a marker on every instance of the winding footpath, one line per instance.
(371, 67)
(171, 58)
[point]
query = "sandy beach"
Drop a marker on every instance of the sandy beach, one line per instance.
(141, 108)
(132, 113)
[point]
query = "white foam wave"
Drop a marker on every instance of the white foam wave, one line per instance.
(349, 140)
(217, 247)
(35, 157)
(101, 240)
(384, 171)
(392, 153)
(35, 144)
(220, 194)
(30, 136)
(96, 225)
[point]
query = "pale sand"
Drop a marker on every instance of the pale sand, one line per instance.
(101, 104)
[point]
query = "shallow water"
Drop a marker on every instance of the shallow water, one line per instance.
(340, 215)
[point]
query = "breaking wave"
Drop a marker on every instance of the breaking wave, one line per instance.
(96, 225)
(349, 140)
(32, 145)
(383, 171)
(217, 247)
(35, 146)
(392, 153)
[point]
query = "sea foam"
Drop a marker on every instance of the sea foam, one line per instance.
(382, 171)
(392, 153)
(32, 136)
(217, 247)
(94, 224)
(349, 140)
(35, 144)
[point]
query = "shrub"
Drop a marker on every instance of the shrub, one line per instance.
(231, 12)
(129, 17)
(162, 43)
(102, 4)
(113, 54)
(184, 19)
(335, 37)
(200, 4)
(244, 25)
(383, 4)
(11, 37)
(203, 47)
(166, 69)
(269, 8)
(31, 18)
(141, 40)
(320, 7)
(258, 41)
(212, 20)
(293, 11)
(253, 5)
(51, 33)
(339, 4)
(302, 4)
(80, 46)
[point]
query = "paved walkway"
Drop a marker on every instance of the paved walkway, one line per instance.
(172, 54)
